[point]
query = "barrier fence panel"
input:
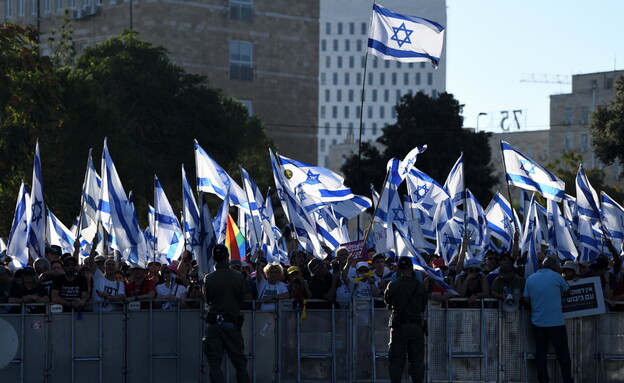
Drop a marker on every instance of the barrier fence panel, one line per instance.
(347, 344)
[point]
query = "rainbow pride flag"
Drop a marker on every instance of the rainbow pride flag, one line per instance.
(234, 240)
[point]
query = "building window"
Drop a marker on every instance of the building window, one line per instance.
(323, 45)
(328, 28)
(406, 79)
(327, 95)
(374, 129)
(422, 65)
(370, 79)
(569, 116)
(375, 63)
(327, 61)
(8, 9)
(358, 45)
(346, 112)
(249, 105)
(374, 95)
(47, 7)
(358, 111)
(363, 127)
(339, 28)
(584, 115)
(394, 78)
(382, 111)
(351, 95)
(322, 111)
(347, 45)
(434, 93)
(327, 128)
(351, 28)
(339, 62)
(347, 79)
(417, 78)
(334, 141)
(335, 45)
(351, 61)
(386, 95)
(323, 78)
(569, 142)
(21, 7)
(322, 145)
(363, 61)
(398, 95)
(339, 95)
(334, 112)
(393, 112)
(358, 78)
(387, 64)
(339, 128)
(363, 28)
(584, 143)
(370, 112)
(241, 60)
(335, 78)
(59, 5)
(429, 78)
(33, 7)
(382, 78)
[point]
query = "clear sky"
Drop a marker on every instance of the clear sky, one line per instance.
(493, 44)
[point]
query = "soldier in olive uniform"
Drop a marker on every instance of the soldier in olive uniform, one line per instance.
(224, 290)
(407, 299)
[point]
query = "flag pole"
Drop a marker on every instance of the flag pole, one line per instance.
(370, 226)
(357, 178)
(513, 214)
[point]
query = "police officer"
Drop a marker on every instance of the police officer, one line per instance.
(224, 290)
(407, 299)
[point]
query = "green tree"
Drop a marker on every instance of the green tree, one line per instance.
(566, 167)
(438, 123)
(607, 127)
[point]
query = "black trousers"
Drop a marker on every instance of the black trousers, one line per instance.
(559, 338)
(216, 343)
(408, 340)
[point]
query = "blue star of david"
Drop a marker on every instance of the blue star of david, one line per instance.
(25, 226)
(445, 240)
(399, 215)
(302, 196)
(263, 216)
(277, 233)
(406, 39)
(224, 177)
(312, 178)
(37, 211)
(421, 192)
(319, 215)
(505, 222)
(409, 163)
(194, 241)
(527, 166)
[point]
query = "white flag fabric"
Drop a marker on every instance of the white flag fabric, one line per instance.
(393, 36)
(454, 185)
(190, 215)
(59, 234)
(36, 226)
(560, 240)
(211, 178)
(613, 220)
(17, 248)
(528, 174)
(168, 234)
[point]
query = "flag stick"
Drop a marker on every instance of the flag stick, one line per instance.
(513, 214)
(357, 179)
(370, 226)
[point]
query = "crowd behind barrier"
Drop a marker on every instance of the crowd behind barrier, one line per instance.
(335, 304)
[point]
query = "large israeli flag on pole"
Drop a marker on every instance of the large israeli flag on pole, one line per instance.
(17, 248)
(59, 234)
(36, 228)
(393, 36)
(613, 220)
(528, 174)
(168, 233)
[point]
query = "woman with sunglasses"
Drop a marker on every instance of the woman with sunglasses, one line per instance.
(472, 283)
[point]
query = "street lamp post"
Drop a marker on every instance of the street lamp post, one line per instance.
(480, 114)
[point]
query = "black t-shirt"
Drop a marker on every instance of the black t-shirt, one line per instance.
(320, 286)
(19, 291)
(70, 290)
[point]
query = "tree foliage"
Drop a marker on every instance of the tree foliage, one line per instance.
(129, 91)
(607, 127)
(438, 123)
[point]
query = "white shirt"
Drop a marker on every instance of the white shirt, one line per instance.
(266, 290)
(174, 289)
(112, 288)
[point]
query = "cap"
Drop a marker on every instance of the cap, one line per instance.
(56, 250)
(293, 269)
(28, 270)
(342, 249)
(405, 263)
(315, 265)
(378, 255)
(599, 264)
(153, 261)
(360, 265)
(137, 266)
(438, 263)
(472, 263)
(220, 250)
(571, 265)
(99, 258)
(506, 270)
(236, 262)
(173, 267)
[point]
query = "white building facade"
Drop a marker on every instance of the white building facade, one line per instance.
(343, 43)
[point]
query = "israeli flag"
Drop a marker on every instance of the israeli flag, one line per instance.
(477, 225)
(406, 165)
(207, 239)
(211, 178)
(91, 189)
(424, 192)
(272, 233)
(560, 239)
(613, 220)
(190, 215)
(220, 220)
(448, 231)
(17, 248)
(500, 222)
(59, 234)
(528, 174)
(169, 240)
(454, 185)
(36, 226)
(350, 208)
(528, 240)
(393, 36)
(279, 184)
(586, 197)
(588, 240)
(256, 203)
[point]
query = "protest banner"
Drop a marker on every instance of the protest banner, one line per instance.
(584, 298)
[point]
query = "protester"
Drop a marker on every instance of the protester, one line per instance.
(299, 288)
(362, 286)
(29, 290)
(224, 292)
(140, 288)
(381, 274)
(407, 299)
(323, 285)
(270, 285)
(570, 271)
(70, 290)
(507, 284)
(171, 289)
(543, 290)
(472, 283)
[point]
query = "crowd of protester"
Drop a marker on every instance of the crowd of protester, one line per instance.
(104, 282)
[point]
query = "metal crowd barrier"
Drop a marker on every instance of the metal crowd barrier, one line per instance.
(331, 344)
